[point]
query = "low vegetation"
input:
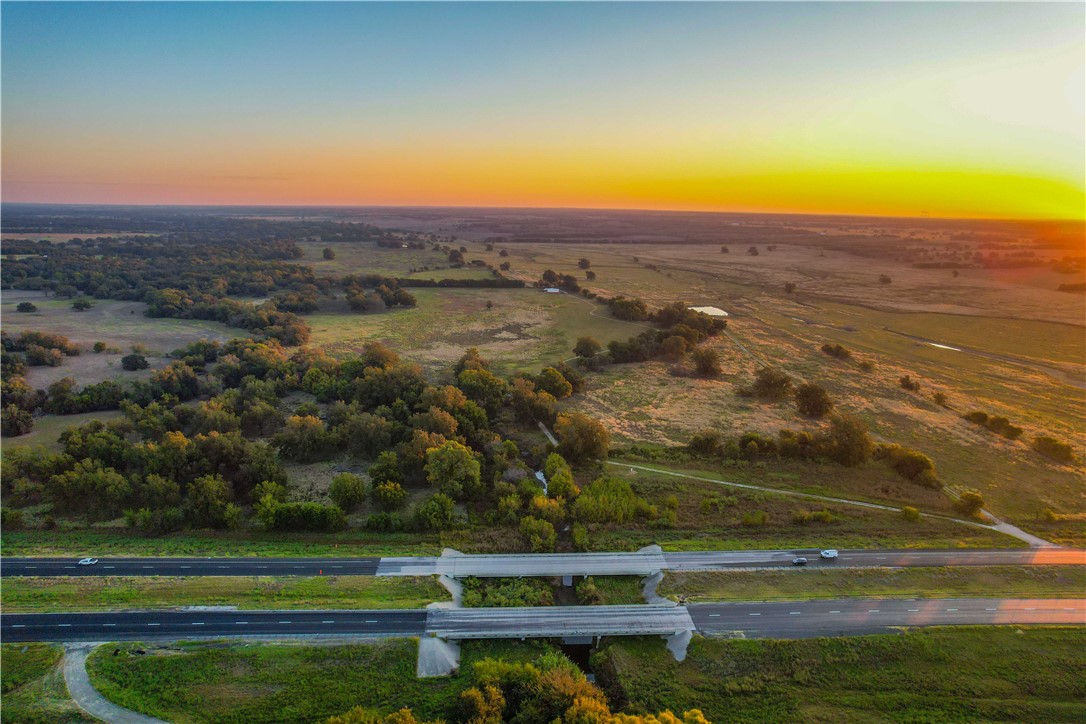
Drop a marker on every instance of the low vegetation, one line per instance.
(954, 674)
(112, 592)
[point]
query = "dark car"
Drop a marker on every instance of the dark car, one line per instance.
(799, 561)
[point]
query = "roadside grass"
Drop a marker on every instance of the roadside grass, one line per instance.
(92, 593)
(104, 543)
(33, 686)
(709, 516)
(264, 683)
(618, 590)
(940, 582)
(959, 674)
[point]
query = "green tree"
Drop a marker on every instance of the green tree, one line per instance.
(970, 503)
(328, 253)
(82, 304)
(207, 502)
(437, 513)
(386, 469)
(539, 534)
(706, 362)
(484, 388)
(552, 381)
(813, 400)
(389, 496)
(587, 347)
(847, 441)
(453, 469)
(581, 438)
(348, 491)
(771, 383)
(26, 307)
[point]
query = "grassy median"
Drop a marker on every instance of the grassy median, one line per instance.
(951, 581)
(91, 593)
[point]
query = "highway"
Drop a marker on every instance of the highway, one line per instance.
(458, 565)
(797, 619)
(174, 625)
(805, 619)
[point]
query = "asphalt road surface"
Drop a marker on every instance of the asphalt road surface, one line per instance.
(251, 566)
(173, 625)
(798, 619)
(803, 619)
(550, 564)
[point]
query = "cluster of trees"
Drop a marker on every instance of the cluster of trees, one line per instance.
(372, 407)
(997, 424)
(565, 282)
(549, 689)
(836, 350)
(678, 329)
(844, 441)
(1053, 448)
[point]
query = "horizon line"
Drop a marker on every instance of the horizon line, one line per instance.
(827, 215)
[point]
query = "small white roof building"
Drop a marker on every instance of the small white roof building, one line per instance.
(552, 290)
(711, 311)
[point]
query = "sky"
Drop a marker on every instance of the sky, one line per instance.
(902, 109)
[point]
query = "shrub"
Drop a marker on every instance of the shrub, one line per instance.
(908, 383)
(82, 304)
(813, 401)
(134, 361)
(348, 491)
(99, 347)
(836, 350)
(910, 514)
(706, 362)
(436, 514)
(610, 500)
(909, 464)
(969, 503)
(539, 534)
(587, 593)
(756, 518)
(581, 438)
(771, 383)
(706, 442)
(579, 537)
(940, 399)
(1053, 448)
(26, 307)
(389, 496)
(867, 366)
(313, 517)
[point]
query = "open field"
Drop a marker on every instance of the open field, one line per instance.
(714, 517)
(951, 582)
(960, 674)
(47, 428)
(119, 324)
(1037, 384)
(77, 543)
(368, 258)
(262, 683)
(524, 330)
(112, 592)
(33, 686)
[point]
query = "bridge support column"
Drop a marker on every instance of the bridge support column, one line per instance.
(437, 657)
(678, 642)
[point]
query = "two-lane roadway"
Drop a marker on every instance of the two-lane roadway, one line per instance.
(641, 563)
(794, 619)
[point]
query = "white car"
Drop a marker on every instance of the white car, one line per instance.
(88, 561)
(829, 554)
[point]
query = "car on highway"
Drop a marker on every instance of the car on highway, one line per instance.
(828, 554)
(88, 561)
(799, 561)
